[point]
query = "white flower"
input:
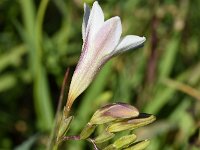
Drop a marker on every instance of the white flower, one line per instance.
(101, 41)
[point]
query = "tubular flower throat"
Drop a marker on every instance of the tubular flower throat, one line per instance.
(101, 41)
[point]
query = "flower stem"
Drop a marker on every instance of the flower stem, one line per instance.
(52, 140)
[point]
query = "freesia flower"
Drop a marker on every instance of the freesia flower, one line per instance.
(101, 41)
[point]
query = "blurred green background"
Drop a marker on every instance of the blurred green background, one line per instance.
(39, 39)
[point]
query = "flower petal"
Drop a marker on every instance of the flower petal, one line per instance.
(96, 20)
(85, 20)
(101, 40)
(108, 36)
(129, 42)
(94, 56)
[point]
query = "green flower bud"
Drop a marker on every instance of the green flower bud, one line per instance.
(87, 131)
(112, 112)
(105, 136)
(110, 147)
(139, 145)
(130, 124)
(124, 141)
(64, 126)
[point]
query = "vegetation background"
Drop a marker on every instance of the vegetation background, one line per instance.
(39, 39)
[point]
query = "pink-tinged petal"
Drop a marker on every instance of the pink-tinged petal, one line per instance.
(96, 20)
(129, 42)
(82, 77)
(108, 36)
(85, 20)
(94, 55)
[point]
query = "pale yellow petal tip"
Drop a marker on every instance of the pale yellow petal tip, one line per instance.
(117, 17)
(85, 6)
(95, 3)
(70, 100)
(143, 39)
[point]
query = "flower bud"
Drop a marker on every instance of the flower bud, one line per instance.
(87, 131)
(64, 126)
(130, 124)
(124, 141)
(110, 147)
(139, 145)
(105, 136)
(112, 112)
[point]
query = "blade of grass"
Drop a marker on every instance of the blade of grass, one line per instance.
(33, 29)
(164, 93)
(7, 81)
(167, 63)
(28, 16)
(185, 124)
(41, 89)
(13, 57)
(168, 60)
(182, 87)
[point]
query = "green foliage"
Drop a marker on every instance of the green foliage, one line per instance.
(115, 118)
(40, 39)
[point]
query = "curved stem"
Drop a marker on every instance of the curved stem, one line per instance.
(93, 143)
(53, 132)
(73, 137)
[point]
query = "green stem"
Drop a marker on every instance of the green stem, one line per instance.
(55, 128)
(55, 147)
